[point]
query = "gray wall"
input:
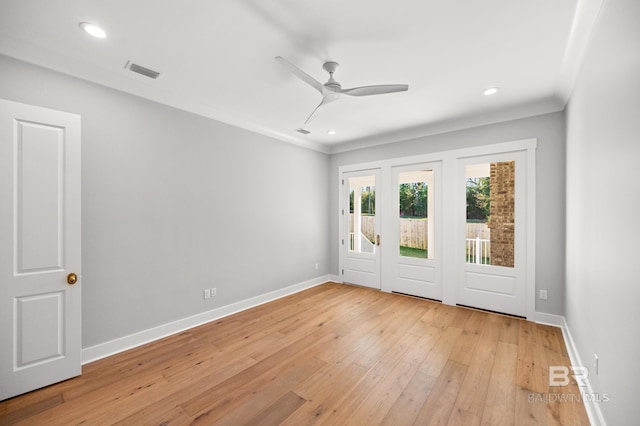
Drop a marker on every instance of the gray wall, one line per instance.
(549, 129)
(603, 203)
(174, 203)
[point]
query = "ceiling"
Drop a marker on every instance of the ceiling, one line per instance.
(216, 58)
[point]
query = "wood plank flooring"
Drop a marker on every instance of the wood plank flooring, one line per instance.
(334, 354)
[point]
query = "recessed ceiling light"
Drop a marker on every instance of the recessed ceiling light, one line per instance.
(94, 30)
(491, 91)
(331, 132)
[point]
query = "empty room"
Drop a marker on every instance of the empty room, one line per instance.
(290, 212)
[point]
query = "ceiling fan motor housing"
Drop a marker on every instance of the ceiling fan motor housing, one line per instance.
(330, 67)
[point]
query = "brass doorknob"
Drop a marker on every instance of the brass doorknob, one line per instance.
(72, 278)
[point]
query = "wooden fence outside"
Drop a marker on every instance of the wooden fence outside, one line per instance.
(368, 226)
(475, 230)
(414, 232)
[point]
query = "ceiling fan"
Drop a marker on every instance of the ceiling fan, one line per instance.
(331, 90)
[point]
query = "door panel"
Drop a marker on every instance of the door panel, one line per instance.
(361, 224)
(367, 266)
(412, 262)
(39, 170)
(40, 340)
(492, 228)
(416, 272)
(38, 328)
(493, 283)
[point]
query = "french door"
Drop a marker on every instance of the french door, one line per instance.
(492, 232)
(456, 226)
(360, 239)
(412, 252)
(40, 340)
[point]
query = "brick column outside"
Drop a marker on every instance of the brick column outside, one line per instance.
(502, 213)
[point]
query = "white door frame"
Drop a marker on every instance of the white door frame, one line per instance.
(448, 247)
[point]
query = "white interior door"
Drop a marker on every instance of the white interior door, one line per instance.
(360, 240)
(412, 259)
(40, 334)
(492, 232)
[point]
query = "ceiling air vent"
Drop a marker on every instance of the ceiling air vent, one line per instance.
(142, 70)
(303, 131)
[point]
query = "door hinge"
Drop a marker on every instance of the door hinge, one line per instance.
(342, 212)
(342, 242)
(343, 181)
(343, 272)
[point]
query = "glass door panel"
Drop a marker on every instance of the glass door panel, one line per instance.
(490, 216)
(416, 219)
(362, 214)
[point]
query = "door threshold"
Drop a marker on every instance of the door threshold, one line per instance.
(492, 312)
(417, 297)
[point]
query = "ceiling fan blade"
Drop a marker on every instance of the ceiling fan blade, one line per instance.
(327, 98)
(375, 90)
(314, 111)
(300, 74)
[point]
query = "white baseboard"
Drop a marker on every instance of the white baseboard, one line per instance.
(550, 319)
(103, 350)
(335, 278)
(593, 409)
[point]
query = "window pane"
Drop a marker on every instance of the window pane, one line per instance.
(490, 215)
(416, 219)
(362, 214)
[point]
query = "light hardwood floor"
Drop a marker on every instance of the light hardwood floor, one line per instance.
(334, 354)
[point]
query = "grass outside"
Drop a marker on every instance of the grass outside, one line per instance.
(483, 261)
(413, 252)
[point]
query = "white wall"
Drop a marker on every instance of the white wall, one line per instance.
(173, 202)
(549, 130)
(603, 206)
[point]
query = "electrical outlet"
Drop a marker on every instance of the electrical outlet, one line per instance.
(595, 362)
(317, 266)
(207, 293)
(543, 294)
(214, 292)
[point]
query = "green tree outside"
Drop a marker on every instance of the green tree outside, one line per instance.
(478, 199)
(368, 201)
(413, 199)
